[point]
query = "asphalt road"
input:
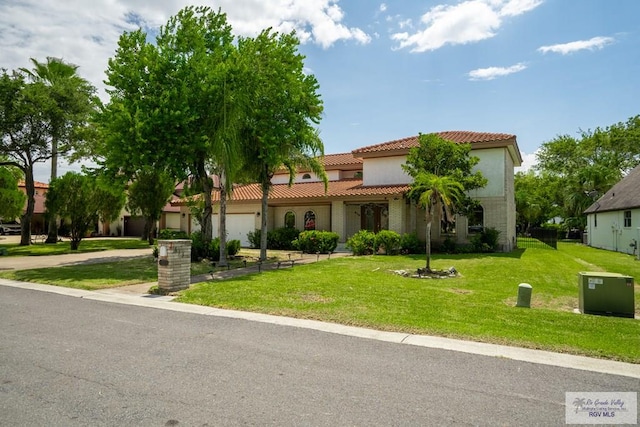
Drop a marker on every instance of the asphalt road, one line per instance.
(67, 361)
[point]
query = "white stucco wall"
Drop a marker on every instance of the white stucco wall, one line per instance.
(492, 164)
(385, 171)
(610, 232)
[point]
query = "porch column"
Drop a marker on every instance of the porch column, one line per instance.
(396, 215)
(338, 219)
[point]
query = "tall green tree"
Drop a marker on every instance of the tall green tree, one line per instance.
(148, 194)
(173, 103)
(539, 198)
(25, 130)
(590, 164)
(443, 174)
(280, 129)
(74, 98)
(81, 200)
(11, 198)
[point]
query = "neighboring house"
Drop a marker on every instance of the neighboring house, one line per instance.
(367, 192)
(133, 225)
(38, 223)
(613, 221)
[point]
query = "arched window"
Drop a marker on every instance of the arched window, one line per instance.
(475, 221)
(306, 176)
(290, 220)
(309, 220)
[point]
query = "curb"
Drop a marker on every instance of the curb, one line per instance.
(484, 349)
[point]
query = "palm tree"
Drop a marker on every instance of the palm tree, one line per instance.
(279, 131)
(435, 194)
(71, 94)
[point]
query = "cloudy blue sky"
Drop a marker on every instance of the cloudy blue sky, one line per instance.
(392, 69)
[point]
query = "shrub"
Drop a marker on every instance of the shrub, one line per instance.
(448, 246)
(233, 247)
(199, 250)
(282, 238)
(167, 234)
(487, 241)
(314, 241)
(410, 244)
(254, 238)
(362, 243)
(389, 241)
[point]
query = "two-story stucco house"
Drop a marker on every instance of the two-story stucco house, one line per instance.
(367, 191)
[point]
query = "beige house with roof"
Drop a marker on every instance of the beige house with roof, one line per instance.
(613, 221)
(367, 192)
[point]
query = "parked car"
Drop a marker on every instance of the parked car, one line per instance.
(12, 227)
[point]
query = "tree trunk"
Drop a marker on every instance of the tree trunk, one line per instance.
(25, 220)
(428, 246)
(52, 235)
(150, 227)
(207, 228)
(263, 225)
(222, 228)
(429, 219)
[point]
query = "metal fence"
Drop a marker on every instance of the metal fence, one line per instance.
(542, 238)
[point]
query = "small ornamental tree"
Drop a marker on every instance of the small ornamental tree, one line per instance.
(80, 200)
(443, 172)
(148, 195)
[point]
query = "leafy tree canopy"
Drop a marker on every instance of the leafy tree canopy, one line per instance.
(11, 198)
(437, 156)
(588, 166)
(148, 194)
(82, 200)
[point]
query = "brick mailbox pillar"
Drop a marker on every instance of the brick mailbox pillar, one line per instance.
(174, 265)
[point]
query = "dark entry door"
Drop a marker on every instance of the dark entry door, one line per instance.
(371, 217)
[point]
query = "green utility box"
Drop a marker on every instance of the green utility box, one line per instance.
(608, 294)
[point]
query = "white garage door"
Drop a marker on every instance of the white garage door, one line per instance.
(238, 225)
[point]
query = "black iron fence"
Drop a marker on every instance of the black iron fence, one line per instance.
(542, 238)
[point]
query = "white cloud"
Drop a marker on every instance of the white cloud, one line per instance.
(466, 22)
(529, 160)
(518, 7)
(567, 48)
(86, 33)
(494, 72)
(383, 7)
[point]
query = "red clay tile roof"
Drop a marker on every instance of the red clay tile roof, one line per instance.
(37, 184)
(340, 159)
(337, 161)
(310, 191)
(462, 137)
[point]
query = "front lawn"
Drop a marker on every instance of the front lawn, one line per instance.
(478, 305)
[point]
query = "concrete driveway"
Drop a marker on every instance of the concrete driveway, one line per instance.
(25, 263)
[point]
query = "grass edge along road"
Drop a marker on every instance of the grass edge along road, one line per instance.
(363, 291)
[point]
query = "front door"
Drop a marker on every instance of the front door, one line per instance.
(374, 217)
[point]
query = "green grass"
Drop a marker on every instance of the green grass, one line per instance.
(64, 247)
(479, 305)
(91, 276)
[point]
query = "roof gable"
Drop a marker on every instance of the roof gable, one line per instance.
(624, 195)
(478, 140)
